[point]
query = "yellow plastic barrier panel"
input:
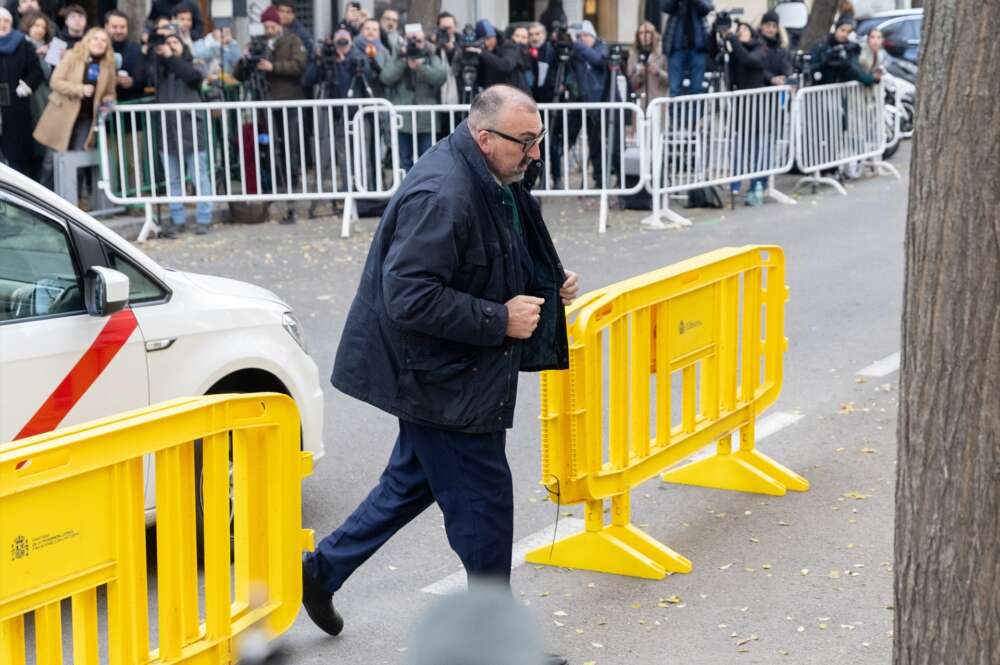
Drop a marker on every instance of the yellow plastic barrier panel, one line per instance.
(661, 366)
(72, 526)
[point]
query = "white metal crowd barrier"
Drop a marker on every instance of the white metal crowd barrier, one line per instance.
(836, 125)
(354, 148)
(715, 139)
(583, 153)
(249, 152)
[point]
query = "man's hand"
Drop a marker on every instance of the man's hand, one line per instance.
(88, 90)
(265, 66)
(415, 63)
(164, 51)
(778, 80)
(125, 81)
(570, 288)
(523, 313)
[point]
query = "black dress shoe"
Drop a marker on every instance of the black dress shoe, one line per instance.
(319, 605)
(555, 659)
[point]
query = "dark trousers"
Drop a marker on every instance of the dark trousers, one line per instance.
(466, 474)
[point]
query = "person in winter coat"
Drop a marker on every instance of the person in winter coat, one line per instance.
(777, 60)
(169, 8)
(685, 43)
(74, 25)
(462, 289)
(131, 70)
(747, 71)
(179, 82)
(501, 62)
(83, 81)
(369, 49)
(410, 80)
(20, 76)
(838, 58)
(39, 30)
(647, 66)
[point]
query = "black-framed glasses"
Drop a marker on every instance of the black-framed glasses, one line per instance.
(526, 144)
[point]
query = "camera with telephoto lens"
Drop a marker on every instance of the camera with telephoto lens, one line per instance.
(256, 50)
(441, 37)
(803, 65)
(470, 59)
(616, 56)
(562, 40)
(328, 55)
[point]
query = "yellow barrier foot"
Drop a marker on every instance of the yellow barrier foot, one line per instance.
(619, 550)
(742, 471)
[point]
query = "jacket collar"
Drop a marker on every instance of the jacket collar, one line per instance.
(463, 141)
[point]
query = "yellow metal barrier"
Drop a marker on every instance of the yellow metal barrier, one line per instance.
(72, 527)
(689, 354)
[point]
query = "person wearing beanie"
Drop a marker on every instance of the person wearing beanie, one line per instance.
(283, 65)
(777, 60)
(837, 57)
(686, 44)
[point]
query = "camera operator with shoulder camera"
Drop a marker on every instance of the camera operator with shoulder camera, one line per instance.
(837, 57)
(686, 44)
(500, 61)
(414, 75)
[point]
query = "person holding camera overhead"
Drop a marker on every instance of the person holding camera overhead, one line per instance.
(414, 75)
(838, 57)
(83, 81)
(685, 43)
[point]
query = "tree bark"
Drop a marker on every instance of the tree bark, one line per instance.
(916, 4)
(820, 19)
(424, 12)
(947, 536)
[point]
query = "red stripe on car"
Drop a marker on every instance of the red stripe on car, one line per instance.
(86, 370)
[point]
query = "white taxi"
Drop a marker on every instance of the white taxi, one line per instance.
(90, 326)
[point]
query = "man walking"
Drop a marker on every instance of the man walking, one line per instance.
(462, 289)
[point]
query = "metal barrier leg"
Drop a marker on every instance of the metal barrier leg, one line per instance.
(779, 197)
(347, 217)
(746, 470)
(816, 180)
(660, 211)
(885, 168)
(619, 548)
(148, 225)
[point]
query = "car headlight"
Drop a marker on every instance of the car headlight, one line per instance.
(294, 328)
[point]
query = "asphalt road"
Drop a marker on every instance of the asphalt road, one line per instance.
(804, 578)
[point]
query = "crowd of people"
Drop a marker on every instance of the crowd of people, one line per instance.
(58, 72)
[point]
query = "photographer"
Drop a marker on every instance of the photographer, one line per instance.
(179, 82)
(838, 57)
(498, 63)
(414, 75)
(685, 43)
(647, 66)
(283, 62)
(446, 42)
(218, 52)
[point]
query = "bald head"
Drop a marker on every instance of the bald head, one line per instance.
(490, 107)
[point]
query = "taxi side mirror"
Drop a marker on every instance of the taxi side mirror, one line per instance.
(105, 291)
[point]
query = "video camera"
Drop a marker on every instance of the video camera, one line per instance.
(803, 65)
(842, 53)
(256, 50)
(156, 39)
(617, 57)
(562, 40)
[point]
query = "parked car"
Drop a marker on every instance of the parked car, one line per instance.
(901, 30)
(90, 326)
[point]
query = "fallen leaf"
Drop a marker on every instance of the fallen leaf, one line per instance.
(804, 571)
(559, 613)
(868, 450)
(726, 567)
(597, 645)
(847, 407)
(859, 496)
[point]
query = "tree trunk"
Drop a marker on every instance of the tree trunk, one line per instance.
(820, 19)
(424, 12)
(916, 4)
(947, 550)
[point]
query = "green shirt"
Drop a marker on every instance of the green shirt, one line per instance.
(509, 202)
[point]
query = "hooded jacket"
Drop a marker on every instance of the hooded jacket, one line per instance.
(425, 338)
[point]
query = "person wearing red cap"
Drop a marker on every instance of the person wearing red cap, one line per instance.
(283, 65)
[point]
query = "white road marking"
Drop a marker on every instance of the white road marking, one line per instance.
(775, 422)
(456, 582)
(887, 365)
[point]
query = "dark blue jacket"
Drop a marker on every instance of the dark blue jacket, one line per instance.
(686, 27)
(425, 338)
(590, 70)
(135, 64)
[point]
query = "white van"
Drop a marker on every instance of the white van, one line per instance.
(90, 326)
